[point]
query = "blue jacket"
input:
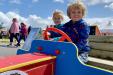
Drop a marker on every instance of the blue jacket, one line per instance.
(78, 32)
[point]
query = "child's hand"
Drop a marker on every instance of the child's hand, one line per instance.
(45, 36)
(52, 26)
(48, 26)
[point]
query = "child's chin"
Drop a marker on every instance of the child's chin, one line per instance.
(76, 20)
(57, 23)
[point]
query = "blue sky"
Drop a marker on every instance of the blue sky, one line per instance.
(27, 10)
(44, 8)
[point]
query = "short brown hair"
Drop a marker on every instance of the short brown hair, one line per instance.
(14, 19)
(23, 23)
(58, 12)
(77, 5)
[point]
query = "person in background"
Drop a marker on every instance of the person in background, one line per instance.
(14, 31)
(29, 29)
(23, 33)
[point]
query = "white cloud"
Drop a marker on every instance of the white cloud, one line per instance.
(12, 14)
(109, 6)
(37, 21)
(60, 1)
(32, 20)
(49, 18)
(107, 3)
(4, 19)
(66, 18)
(94, 2)
(101, 22)
(15, 1)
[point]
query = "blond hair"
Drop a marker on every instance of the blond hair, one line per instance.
(76, 5)
(58, 13)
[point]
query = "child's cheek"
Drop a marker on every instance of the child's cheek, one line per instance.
(57, 22)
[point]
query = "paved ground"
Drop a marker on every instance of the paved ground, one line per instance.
(7, 51)
(4, 51)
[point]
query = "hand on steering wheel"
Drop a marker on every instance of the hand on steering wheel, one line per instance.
(63, 37)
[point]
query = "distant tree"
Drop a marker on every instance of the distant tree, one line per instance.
(1, 25)
(110, 23)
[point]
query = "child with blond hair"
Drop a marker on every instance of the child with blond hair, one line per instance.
(77, 29)
(57, 18)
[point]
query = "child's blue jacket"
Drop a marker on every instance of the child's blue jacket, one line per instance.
(78, 32)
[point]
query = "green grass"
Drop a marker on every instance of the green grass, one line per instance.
(7, 41)
(4, 40)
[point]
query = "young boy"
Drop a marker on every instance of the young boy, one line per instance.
(77, 29)
(57, 18)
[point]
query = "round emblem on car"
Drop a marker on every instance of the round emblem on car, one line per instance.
(14, 72)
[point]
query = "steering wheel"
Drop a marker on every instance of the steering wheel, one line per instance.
(63, 37)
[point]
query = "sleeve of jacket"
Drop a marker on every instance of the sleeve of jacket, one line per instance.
(54, 34)
(83, 36)
(84, 31)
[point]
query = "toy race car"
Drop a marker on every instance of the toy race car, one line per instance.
(47, 57)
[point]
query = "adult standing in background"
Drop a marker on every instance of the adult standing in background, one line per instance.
(14, 31)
